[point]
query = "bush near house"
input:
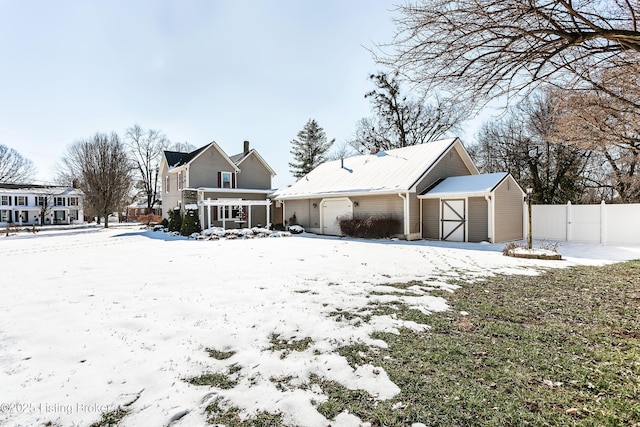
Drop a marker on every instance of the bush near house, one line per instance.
(372, 227)
(149, 219)
(190, 223)
(175, 220)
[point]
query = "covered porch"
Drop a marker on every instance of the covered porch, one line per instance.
(232, 213)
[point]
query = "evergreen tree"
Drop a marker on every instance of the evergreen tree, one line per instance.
(175, 220)
(190, 223)
(309, 149)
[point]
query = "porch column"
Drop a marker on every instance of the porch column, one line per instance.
(268, 208)
(249, 216)
(209, 212)
(224, 210)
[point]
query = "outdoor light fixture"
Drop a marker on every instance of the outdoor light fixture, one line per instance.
(356, 204)
(315, 205)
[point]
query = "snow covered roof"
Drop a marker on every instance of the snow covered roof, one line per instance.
(177, 160)
(390, 171)
(466, 185)
(39, 189)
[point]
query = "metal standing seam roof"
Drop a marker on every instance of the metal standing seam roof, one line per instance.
(468, 184)
(389, 171)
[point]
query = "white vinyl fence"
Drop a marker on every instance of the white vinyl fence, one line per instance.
(585, 223)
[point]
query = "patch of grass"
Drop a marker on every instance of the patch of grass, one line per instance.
(562, 348)
(220, 355)
(214, 380)
(230, 416)
(111, 418)
(405, 285)
(288, 345)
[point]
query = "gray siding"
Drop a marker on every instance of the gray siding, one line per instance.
(508, 211)
(478, 220)
(379, 205)
(450, 164)
(203, 171)
(414, 214)
(431, 218)
(306, 215)
(253, 174)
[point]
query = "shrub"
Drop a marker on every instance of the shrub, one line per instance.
(175, 220)
(149, 219)
(190, 223)
(372, 227)
(165, 222)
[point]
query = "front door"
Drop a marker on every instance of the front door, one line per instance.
(453, 220)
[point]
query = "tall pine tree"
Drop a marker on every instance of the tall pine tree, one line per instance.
(309, 149)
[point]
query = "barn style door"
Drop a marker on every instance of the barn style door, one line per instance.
(453, 220)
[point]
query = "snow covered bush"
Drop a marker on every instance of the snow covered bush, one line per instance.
(296, 229)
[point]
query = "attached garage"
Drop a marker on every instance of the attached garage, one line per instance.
(473, 208)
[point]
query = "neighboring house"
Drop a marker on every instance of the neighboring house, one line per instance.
(412, 184)
(40, 205)
(135, 210)
(228, 191)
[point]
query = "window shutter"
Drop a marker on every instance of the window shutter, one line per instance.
(219, 179)
(233, 180)
(215, 213)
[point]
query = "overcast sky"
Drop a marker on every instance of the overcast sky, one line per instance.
(198, 70)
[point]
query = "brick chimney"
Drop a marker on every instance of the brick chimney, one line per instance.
(246, 147)
(374, 150)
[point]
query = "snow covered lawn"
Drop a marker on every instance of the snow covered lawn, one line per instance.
(93, 319)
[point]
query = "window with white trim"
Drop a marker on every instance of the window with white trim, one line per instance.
(4, 201)
(167, 187)
(226, 180)
(21, 201)
(73, 201)
(180, 181)
(229, 212)
(41, 201)
(58, 201)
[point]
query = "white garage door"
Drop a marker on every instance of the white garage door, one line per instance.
(332, 210)
(453, 220)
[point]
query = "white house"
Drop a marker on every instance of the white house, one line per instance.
(24, 204)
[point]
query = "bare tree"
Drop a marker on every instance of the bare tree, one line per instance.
(103, 170)
(521, 143)
(341, 150)
(145, 148)
(399, 121)
(602, 123)
(488, 48)
(14, 169)
(182, 147)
